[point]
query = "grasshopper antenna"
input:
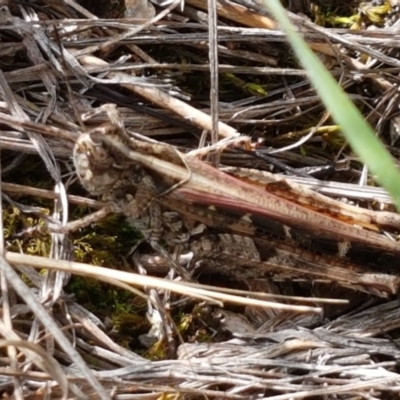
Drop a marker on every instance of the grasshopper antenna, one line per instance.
(65, 78)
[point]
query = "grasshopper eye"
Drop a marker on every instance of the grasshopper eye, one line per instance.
(95, 138)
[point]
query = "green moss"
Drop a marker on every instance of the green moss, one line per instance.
(248, 87)
(353, 15)
(106, 243)
(25, 232)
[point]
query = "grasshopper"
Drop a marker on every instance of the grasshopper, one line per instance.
(295, 233)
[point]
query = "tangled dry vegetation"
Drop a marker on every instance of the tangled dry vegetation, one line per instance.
(84, 335)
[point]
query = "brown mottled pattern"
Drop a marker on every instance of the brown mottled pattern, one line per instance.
(242, 242)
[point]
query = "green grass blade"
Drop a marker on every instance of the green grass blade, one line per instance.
(357, 131)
